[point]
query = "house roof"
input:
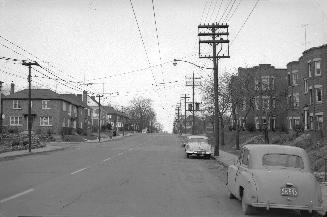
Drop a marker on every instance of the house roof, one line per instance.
(46, 94)
(111, 110)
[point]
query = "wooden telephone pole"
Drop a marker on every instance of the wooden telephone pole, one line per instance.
(29, 118)
(185, 97)
(99, 118)
(213, 32)
(193, 85)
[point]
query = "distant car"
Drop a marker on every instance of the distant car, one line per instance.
(274, 176)
(198, 146)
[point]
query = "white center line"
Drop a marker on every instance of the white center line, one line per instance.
(130, 149)
(17, 195)
(77, 171)
(106, 159)
(120, 153)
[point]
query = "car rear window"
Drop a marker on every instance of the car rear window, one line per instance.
(284, 160)
(198, 140)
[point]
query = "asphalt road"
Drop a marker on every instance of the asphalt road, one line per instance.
(143, 176)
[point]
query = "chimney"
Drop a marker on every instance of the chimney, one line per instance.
(79, 96)
(84, 99)
(12, 88)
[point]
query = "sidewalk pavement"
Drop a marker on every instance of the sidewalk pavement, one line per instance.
(52, 146)
(227, 159)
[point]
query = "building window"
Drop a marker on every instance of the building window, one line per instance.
(306, 87)
(16, 121)
(64, 122)
(296, 102)
(310, 96)
(70, 109)
(45, 104)
(16, 104)
(68, 122)
(256, 84)
(309, 70)
(317, 68)
(272, 79)
(265, 103)
(46, 121)
(64, 106)
(273, 103)
(265, 82)
(294, 78)
(257, 103)
(319, 95)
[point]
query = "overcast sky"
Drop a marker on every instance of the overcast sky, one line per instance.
(99, 41)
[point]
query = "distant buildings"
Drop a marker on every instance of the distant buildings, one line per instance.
(294, 97)
(55, 113)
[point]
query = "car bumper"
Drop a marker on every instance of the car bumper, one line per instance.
(287, 206)
(198, 153)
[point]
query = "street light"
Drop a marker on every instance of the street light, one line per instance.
(185, 61)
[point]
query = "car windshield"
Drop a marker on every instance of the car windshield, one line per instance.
(198, 140)
(284, 160)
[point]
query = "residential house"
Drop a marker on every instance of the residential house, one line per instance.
(51, 112)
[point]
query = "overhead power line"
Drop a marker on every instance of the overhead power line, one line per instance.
(245, 21)
(158, 41)
(141, 37)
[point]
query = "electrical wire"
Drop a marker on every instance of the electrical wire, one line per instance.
(245, 21)
(141, 37)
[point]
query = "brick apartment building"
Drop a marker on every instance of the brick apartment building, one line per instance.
(51, 112)
(291, 97)
(308, 80)
(261, 104)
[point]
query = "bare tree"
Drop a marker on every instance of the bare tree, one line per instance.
(224, 99)
(141, 112)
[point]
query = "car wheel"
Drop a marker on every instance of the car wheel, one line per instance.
(231, 196)
(187, 155)
(246, 208)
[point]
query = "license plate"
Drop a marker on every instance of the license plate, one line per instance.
(201, 152)
(291, 192)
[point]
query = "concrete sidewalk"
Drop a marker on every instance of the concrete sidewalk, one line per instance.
(52, 146)
(227, 159)
(13, 154)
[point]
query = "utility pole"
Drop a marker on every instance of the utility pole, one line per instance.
(215, 30)
(29, 119)
(193, 93)
(185, 97)
(1, 112)
(99, 118)
(123, 120)
(178, 125)
(305, 35)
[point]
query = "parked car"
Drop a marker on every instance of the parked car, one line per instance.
(274, 176)
(198, 146)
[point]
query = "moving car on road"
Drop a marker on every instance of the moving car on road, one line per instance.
(198, 146)
(274, 176)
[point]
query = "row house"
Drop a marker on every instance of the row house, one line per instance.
(260, 102)
(307, 79)
(50, 111)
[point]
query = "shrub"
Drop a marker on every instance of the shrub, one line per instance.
(79, 131)
(13, 130)
(250, 126)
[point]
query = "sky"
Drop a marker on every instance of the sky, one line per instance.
(123, 56)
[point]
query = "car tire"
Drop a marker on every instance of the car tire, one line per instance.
(231, 196)
(246, 208)
(187, 155)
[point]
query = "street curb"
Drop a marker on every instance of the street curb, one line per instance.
(109, 140)
(31, 153)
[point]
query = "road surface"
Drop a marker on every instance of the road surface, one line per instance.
(146, 175)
